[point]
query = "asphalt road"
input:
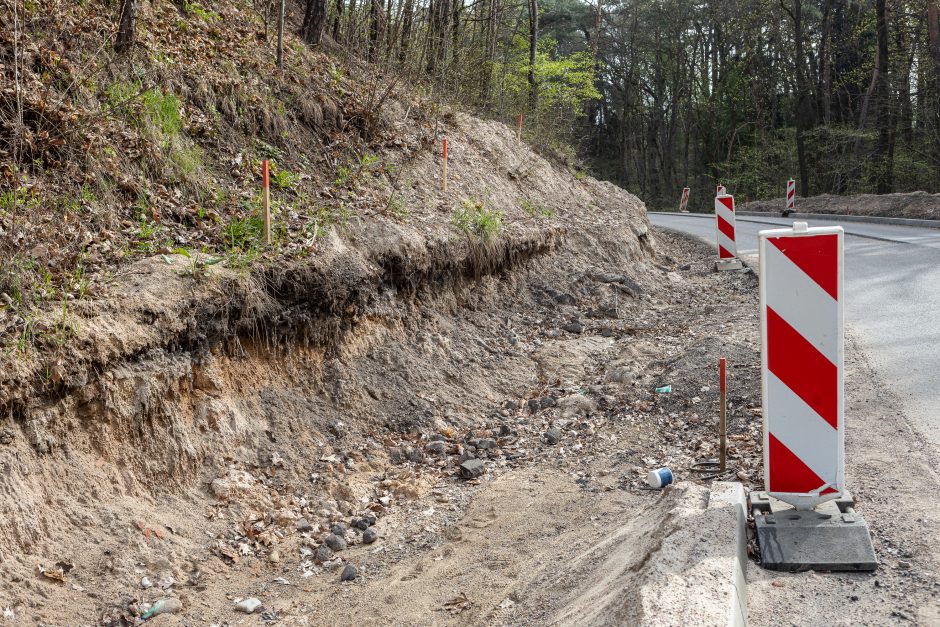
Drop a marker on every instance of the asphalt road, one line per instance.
(892, 300)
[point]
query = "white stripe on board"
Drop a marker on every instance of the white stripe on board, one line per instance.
(727, 243)
(800, 301)
(724, 212)
(803, 431)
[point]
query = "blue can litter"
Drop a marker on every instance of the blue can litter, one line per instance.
(659, 478)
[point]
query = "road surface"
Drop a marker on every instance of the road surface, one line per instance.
(892, 300)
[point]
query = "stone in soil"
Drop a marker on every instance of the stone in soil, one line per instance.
(370, 536)
(471, 468)
(553, 436)
(338, 529)
(547, 401)
(324, 553)
(335, 542)
(360, 523)
(349, 573)
(415, 455)
(486, 444)
(437, 448)
(534, 405)
(573, 327)
(303, 525)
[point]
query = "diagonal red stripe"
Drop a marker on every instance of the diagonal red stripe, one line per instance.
(788, 473)
(802, 368)
(727, 201)
(816, 255)
(723, 253)
(725, 227)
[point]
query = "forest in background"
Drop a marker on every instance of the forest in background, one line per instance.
(655, 95)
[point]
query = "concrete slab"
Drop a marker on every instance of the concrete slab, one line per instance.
(728, 264)
(832, 537)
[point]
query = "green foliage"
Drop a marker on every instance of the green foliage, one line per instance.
(162, 110)
(245, 233)
(536, 210)
(283, 178)
(474, 219)
(398, 207)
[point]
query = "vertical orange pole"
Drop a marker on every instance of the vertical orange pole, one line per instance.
(722, 424)
(444, 168)
(266, 200)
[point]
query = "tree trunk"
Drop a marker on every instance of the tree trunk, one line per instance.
(933, 29)
(884, 150)
(126, 27)
(337, 19)
(314, 21)
(280, 36)
(407, 21)
(825, 66)
(533, 42)
(804, 106)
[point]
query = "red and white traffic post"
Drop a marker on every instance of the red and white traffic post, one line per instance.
(791, 197)
(802, 353)
(802, 363)
(724, 231)
(721, 190)
(684, 202)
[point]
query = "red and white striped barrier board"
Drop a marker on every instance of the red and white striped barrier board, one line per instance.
(724, 218)
(801, 363)
(721, 191)
(791, 195)
(685, 199)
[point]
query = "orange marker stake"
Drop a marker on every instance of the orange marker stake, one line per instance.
(266, 200)
(444, 168)
(722, 427)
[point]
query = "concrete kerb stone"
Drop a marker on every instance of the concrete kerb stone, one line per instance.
(729, 496)
(927, 224)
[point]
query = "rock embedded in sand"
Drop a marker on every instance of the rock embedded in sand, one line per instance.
(349, 573)
(335, 542)
(471, 468)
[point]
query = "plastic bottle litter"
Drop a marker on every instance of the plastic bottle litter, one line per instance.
(659, 478)
(666, 389)
(169, 605)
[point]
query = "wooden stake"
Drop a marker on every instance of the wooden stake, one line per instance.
(266, 201)
(444, 168)
(722, 425)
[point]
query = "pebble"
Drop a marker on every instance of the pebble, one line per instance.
(396, 455)
(360, 523)
(370, 536)
(486, 444)
(416, 455)
(303, 525)
(274, 557)
(438, 448)
(145, 583)
(248, 606)
(335, 542)
(548, 401)
(553, 436)
(534, 405)
(471, 468)
(323, 554)
(573, 327)
(349, 573)
(338, 529)
(903, 565)
(369, 518)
